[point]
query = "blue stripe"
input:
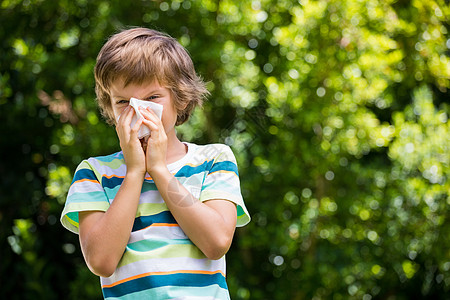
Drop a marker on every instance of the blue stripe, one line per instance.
(109, 158)
(112, 192)
(153, 244)
(111, 182)
(224, 166)
(155, 281)
(169, 292)
(87, 197)
(148, 186)
(187, 171)
(84, 174)
(145, 221)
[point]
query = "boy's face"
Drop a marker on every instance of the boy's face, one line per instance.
(148, 91)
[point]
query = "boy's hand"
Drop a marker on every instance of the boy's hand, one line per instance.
(129, 143)
(155, 154)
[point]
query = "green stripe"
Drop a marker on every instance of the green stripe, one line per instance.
(242, 219)
(148, 209)
(114, 164)
(170, 251)
(69, 217)
(242, 216)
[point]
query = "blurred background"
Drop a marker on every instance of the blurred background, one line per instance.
(337, 112)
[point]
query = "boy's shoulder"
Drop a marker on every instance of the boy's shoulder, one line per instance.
(107, 158)
(213, 151)
(113, 159)
(214, 146)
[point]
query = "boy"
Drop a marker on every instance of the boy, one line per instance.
(156, 219)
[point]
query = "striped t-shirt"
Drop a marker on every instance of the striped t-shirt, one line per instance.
(160, 261)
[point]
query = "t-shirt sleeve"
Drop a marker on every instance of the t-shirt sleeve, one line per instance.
(85, 194)
(222, 182)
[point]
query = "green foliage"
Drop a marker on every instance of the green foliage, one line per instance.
(337, 112)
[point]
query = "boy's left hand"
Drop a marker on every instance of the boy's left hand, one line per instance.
(155, 154)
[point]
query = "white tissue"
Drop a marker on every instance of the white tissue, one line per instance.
(136, 103)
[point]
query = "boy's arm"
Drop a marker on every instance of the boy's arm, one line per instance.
(210, 225)
(104, 235)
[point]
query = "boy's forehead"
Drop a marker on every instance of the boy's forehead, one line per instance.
(121, 88)
(116, 86)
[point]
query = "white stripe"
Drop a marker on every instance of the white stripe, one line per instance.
(229, 178)
(84, 187)
(223, 175)
(105, 169)
(157, 233)
(164, 265)
(152, 196)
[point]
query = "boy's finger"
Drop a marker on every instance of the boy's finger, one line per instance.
(135, 129)
(147, 111)
(128, 115)
(150, 114)
(151, 125)
(122, 115)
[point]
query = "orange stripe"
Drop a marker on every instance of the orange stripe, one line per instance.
(163, 273)
(192, 165)
(111, 176)
(223, 171)
(86, 179)
(164, 224)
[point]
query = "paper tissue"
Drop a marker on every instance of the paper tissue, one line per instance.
(136, 103)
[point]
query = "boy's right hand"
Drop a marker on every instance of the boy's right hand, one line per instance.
(129, 142)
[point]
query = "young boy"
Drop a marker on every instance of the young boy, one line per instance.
(155, 219)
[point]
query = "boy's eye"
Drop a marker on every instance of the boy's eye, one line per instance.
(122, 102)
(152, 97)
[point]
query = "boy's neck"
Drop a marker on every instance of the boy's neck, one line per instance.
(175, 148)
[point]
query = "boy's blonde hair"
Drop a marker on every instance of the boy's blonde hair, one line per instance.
(141, 55)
